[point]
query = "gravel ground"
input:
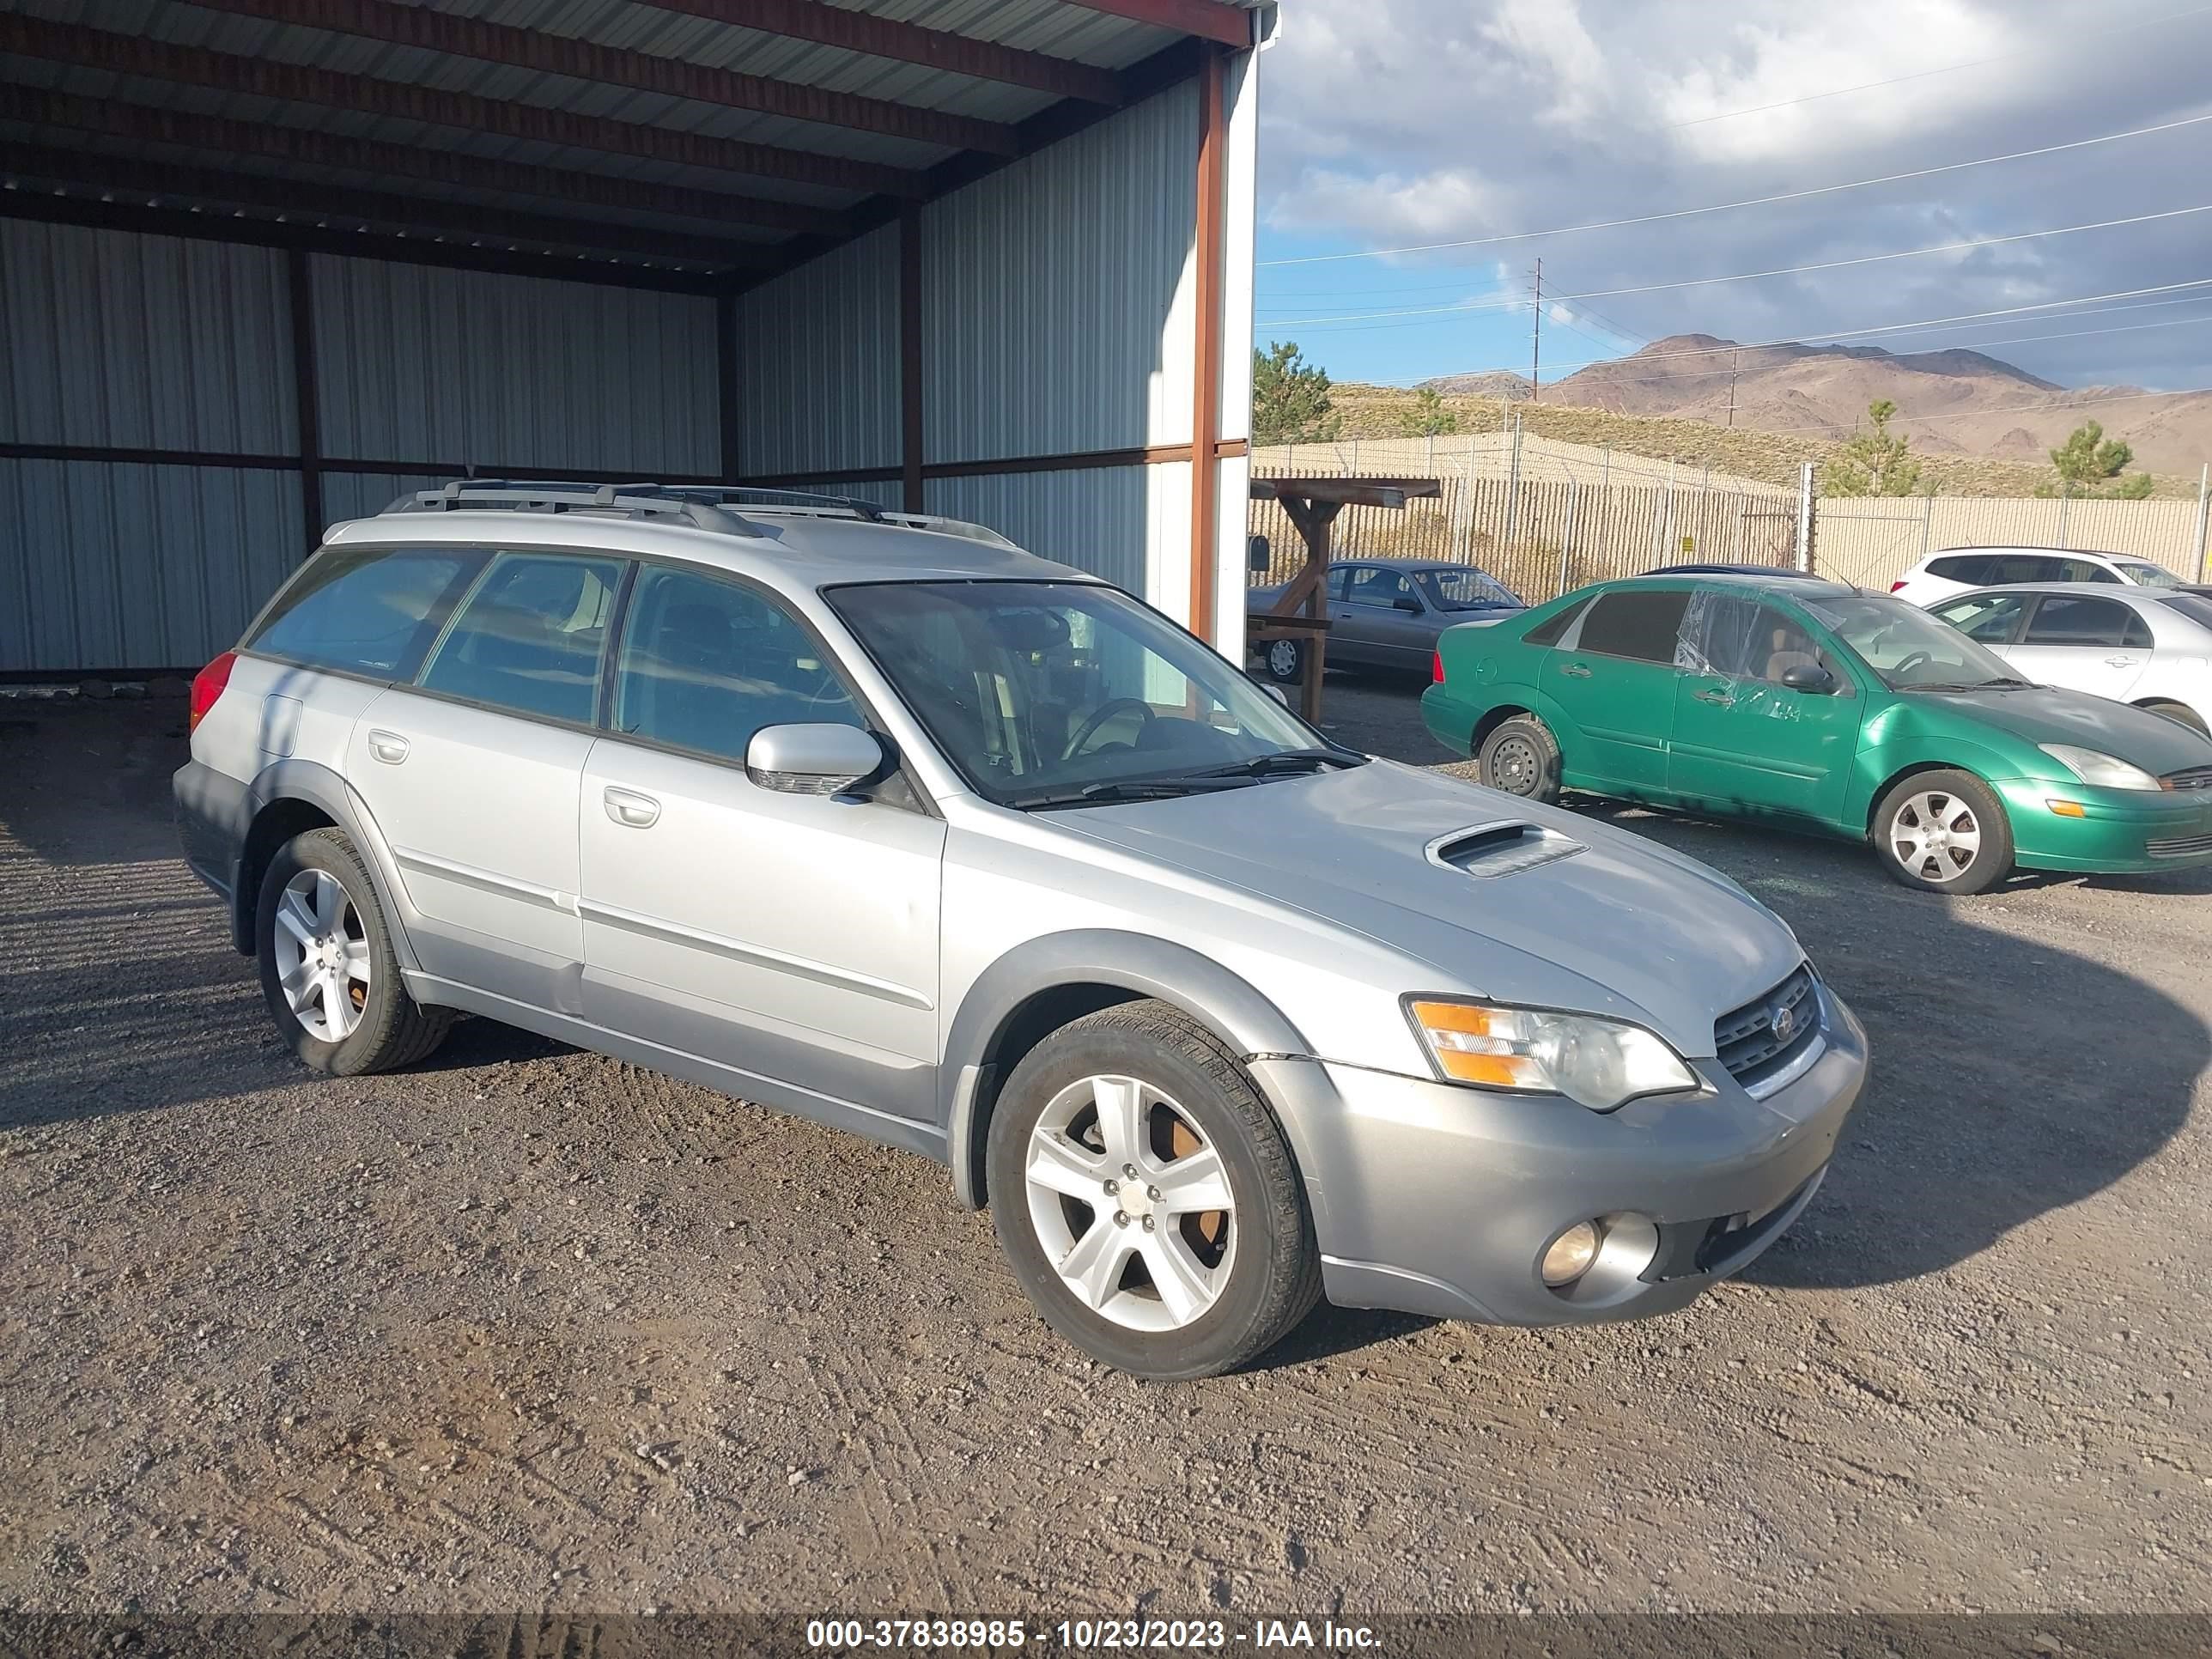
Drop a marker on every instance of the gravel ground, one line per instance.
(527, 1328)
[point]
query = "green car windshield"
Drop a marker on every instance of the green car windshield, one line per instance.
(1908, 649)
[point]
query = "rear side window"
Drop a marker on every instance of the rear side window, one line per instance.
(1547, 632)
(1961, 568)
(2084, 570)
(528, 639)
(365, 609)
(2070, 619)
(1636, 622)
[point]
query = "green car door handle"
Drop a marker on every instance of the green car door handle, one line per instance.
(1714, 695)
(1575, 668)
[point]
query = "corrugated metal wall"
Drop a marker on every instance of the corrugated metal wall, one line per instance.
(1128, 523)
(418, 363)
(121, 341)
(1058, 295)
(819, 364)
(120, 566)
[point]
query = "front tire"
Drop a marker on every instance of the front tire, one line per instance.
(2181, 712)
(1284, 660)
(1146, 1198)
(1520, 756)
(1943, 832)
(328, 970)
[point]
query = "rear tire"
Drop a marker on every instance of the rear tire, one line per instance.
(328, 970)
(1199, 1260)
(1521, 758)
(1943, 832)
(2179, 711)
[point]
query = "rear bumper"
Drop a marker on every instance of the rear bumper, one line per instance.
(1436, 1198)
(2120, 831)
(1451, 720)
(214, 812)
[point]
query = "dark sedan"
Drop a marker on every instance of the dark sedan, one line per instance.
(1388, 613)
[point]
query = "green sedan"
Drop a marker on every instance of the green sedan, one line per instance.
(1813, 706)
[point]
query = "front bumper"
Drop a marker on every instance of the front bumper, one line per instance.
(1434, 1198)
(2120, 831)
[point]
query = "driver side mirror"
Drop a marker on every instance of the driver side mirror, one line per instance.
(813, 759)
(1808, 677)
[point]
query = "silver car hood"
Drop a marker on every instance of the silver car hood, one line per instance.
(1575, 915)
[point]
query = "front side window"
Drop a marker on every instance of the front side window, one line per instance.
(1739, 638)
(528, 639)
(1467, 589)
(1992, 618)
(1371, 586)
(365, 609)
(705, 662)
(1639, 622)
(2086, 570)
(2078, 620)
(2011, 568)
(1036, 691)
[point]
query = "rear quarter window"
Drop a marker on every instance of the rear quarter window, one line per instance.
(1548, 631)
(365, 610)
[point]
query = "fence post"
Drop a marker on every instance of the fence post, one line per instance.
(2204, 523)
(1512, 491)
(1567, 540)
(1805, 517)
(2065, 501)
(1927, 521)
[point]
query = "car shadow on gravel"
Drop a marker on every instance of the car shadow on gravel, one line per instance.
(2011, 1077)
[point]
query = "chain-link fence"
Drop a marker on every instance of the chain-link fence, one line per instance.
(1874, 541)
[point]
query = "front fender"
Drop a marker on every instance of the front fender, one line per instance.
(321, 787)
(1137, 963)
(1874, 766)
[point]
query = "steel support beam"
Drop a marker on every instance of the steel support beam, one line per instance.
(1209, 20)
(142, 123)
(909, 327)
(315, 202)
(362, 94)
(433, 30)
(1206, 392)
(910, 43)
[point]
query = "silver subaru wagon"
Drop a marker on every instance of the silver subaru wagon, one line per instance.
(878, 820)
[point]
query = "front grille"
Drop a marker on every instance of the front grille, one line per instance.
(2189, 777)
(2179, 847)
(1767, 1034)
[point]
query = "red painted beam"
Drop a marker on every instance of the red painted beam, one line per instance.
(313, 202)
(142, 123)
(1209, 20)
(432, 30)
(159, 60)
(909, 42)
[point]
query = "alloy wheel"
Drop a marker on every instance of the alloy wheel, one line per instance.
(321, 952)
(1935, 835)
(1131, 1204)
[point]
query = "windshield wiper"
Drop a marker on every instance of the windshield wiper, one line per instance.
(2003, 683)
(1119, 789)
(1280, 760)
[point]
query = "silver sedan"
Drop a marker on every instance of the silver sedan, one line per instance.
(2151, 647)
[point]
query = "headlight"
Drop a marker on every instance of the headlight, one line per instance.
(2103, 770)
(1598, 1063)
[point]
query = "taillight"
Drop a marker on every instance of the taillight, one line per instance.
(1897, 587)
(1436, 667)
(207, 686)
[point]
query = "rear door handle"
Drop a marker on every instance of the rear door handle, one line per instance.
(2120, 662)
(1721, 698)
(387, 746)
(1574, 671)
(631, 810)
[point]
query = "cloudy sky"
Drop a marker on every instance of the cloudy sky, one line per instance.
(1388, 124)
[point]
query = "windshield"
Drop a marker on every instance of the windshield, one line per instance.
(1908, 649)
(1042, 691)
(1466, 590)
(2145, 573)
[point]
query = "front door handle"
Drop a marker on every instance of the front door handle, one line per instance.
(1574, 671)
(387, 746)
(1714, 695)
(631, 810)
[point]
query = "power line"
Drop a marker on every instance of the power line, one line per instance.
(1967, 317)
(1922, 75)
(1748, 202)
(1751, 276)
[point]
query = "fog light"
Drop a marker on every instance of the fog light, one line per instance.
(1571, 1254)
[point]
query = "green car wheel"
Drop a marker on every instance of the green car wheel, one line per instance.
(1521, 758)
(1944, 832)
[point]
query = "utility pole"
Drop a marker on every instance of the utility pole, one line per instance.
(1536, 338)
(1731, 418)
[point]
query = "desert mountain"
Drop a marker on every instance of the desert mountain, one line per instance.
(1950, 401)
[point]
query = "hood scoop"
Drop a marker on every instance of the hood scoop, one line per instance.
(1500, 850)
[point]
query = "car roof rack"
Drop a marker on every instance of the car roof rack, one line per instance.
(697, 506)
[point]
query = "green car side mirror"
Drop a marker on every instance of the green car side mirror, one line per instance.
(1808, 677)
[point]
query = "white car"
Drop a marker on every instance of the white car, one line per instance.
(1956, 569)
(2151, 647)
